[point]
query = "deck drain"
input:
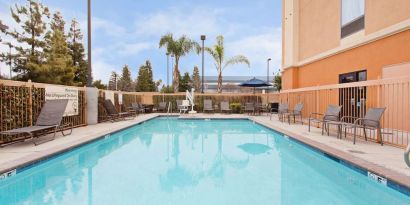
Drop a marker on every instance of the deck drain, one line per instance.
(356, 151)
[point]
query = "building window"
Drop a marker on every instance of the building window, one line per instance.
(352, 18)
(353, 77)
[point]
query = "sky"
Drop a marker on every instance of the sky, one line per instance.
(127, 32)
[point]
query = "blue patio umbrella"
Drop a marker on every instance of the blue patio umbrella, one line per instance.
(255, 83)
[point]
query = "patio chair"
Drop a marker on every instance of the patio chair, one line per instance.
(370, 121)
(49, 119)
(137, 108)
(184, 107)
(112, 113)
(225, 107)
(282, 110)
(162, 107)
(249, 108)
(297, 111)
(208, 106)
(331, 115)
(179, 104)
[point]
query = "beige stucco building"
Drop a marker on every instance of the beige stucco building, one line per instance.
(337, 41)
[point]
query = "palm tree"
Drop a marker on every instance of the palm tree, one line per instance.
(178, 48)
(218, 53)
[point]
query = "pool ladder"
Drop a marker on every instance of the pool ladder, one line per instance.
(407, 155)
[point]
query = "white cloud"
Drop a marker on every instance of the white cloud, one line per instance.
(128, 49)
(258, 48)
(179, 21)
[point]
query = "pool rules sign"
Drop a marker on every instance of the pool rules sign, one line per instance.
(60, 92)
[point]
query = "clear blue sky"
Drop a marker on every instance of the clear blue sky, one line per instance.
(128, 31)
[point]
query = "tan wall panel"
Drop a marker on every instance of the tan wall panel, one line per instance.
(319, 27)
(372, 57)
(380, 14)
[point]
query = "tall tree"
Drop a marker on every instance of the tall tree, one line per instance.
(196, 81)
(58, 66)
(98, 84)
(3, 29)
(218, 54)
(113, 82)
(185, 83)
(125, 82)
(31, 19)
(145, 82)
(76, 47)
(178, 48)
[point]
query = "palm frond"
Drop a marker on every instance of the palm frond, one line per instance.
(237, 60)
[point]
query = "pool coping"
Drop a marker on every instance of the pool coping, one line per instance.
(395, 180)
(20, 164)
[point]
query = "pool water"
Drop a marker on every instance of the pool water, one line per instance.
(209, 162)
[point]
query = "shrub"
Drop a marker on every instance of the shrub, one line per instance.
(235, 107)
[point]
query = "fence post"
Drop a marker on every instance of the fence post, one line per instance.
(30, 101)
(317, 101)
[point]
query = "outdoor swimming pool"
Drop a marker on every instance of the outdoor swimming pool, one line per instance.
(210, 162)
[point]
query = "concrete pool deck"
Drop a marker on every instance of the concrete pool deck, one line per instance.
(385, 160)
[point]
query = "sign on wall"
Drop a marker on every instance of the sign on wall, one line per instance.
(70, 93)
(109, 95)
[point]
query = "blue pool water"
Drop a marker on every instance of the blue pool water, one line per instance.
(214, 162)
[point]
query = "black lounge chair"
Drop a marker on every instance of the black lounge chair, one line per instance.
(370, 121)
(208, 106)
(330, 117)
(49, 119)
(112, 113)
(297, 111)
(225, 107)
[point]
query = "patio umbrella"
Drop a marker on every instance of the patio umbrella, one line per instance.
(255, 83)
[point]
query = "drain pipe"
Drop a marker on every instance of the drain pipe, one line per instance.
(407, 155)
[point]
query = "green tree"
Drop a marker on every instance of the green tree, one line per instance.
(3, 29)
(196, 81)
(277, 82)
(31, 20)
(76, 50)
(178, 48)
(125, 82)
(185, 83)
(218, 54)
(167, 89)
(113, 82)
(145, 82)
(58, 66)
(98, 84)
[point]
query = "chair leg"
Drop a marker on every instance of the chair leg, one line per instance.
(309, 125)
(379, 133)
(354, 135)
(364, 132)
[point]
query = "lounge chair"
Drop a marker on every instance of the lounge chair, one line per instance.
(370, 121)
(162, 107)
(208, 106)
(331, 116)
(225, 107)
(249, 108)
(297, 111)
(49, 119)
(112, 113)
